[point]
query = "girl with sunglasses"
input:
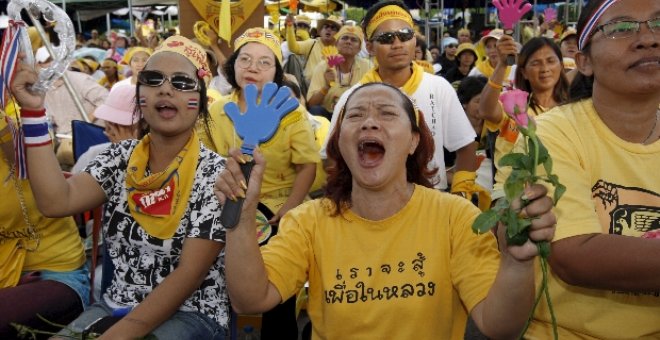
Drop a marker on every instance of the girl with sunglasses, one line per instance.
(291, 153)
(161, 220)
(605, 147)
(388, 27)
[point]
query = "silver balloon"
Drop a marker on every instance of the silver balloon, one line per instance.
(61, 54)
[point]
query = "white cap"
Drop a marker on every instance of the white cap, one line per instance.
(42, 55)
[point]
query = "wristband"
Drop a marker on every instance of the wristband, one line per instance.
(324, 91)
(35, 127)
(495, 86)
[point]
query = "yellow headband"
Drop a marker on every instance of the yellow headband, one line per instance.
(389, 12)
(183, 46)
(356, 31)
(263, 36)
(132, 51)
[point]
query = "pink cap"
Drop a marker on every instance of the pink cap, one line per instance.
(119, 106)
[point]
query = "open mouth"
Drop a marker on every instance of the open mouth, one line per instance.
(370, 152)
(166, 109)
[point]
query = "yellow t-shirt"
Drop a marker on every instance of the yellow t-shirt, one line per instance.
(59, 247)
(292, 144)
(613, 187)
(360, 67)
(414, 275)
(311, 47)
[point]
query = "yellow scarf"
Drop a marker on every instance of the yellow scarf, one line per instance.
(487, 70)
(158, 201)
(409, 87)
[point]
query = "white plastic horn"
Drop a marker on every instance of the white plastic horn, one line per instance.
(62, 54)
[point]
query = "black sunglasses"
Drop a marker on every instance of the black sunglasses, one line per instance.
(387, 38)
(180, 81)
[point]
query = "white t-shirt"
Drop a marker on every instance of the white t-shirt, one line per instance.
(442, 112)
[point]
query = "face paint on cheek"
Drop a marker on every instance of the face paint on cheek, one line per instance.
(193, 103)
(142, 102)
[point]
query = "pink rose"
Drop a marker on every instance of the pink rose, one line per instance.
(652, 234)
(515, 105)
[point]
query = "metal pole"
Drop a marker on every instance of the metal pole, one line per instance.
(107, 24)
(79, 24)
(67, 83)
(130, 17)
(169, 19)
(64, 5)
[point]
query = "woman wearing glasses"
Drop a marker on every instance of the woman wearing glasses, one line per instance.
(606, 150)
(388, 27)
(161, 220)
(291, 153)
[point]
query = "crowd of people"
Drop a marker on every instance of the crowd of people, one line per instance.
(369, 185)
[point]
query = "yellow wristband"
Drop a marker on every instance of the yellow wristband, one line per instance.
(495, 86)
(324, 91)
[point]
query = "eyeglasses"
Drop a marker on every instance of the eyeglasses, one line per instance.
(180, 81)
(626, 28)
(302, 25)
(451, 46)
(263, 64)
(387, 38)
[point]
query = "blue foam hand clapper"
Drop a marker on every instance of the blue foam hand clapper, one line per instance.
(262, 117)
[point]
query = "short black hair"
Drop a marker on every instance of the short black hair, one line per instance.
(374, 9)
(470, 87)
(230, 72)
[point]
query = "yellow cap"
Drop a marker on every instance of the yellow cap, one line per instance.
(263, 36)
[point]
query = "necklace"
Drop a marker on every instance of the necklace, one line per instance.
(341, 74)
(655, 124)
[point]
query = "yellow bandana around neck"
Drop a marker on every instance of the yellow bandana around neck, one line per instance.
(389, 12)
(408, 88)
(158, 201)
(487, 70)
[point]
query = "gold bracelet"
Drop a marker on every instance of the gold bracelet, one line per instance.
(495, 86)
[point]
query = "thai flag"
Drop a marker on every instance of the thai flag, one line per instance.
(8, 58)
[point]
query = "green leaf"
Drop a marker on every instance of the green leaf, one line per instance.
(515, 160)
(547, 165)
(560, 189)
(510, 218)
(515, 183)
(485, 221)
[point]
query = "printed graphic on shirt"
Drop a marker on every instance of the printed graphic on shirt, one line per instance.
(354, 284)
(141, 262)
(625, 210)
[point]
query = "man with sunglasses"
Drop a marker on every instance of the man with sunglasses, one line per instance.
(313, 48)
(388, 27)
